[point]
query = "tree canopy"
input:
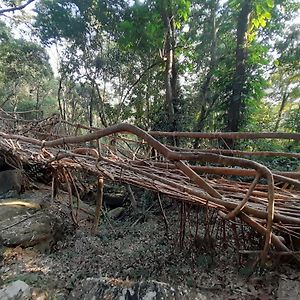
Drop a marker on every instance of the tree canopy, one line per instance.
(159, 64)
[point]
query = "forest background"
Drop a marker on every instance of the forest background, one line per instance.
(171, 65)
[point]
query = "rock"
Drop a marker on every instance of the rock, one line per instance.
(114, 195)
(22, 230)
(25, 222)
(16, 290)
(10, 208)
(11, 183)
(288, 289)
(90, 197)
(116, 289)
(116, 212)
(30, 221)
(2, 248)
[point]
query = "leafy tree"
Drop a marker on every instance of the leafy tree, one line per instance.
(167, 64)
(286, 77)
(24, 72)
(118, 50)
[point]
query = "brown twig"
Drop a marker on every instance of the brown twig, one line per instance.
(164, 214)
(99, 204)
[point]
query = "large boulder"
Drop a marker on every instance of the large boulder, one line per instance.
(40, 228)
(115, 289)
(28, 221)
(116, 212)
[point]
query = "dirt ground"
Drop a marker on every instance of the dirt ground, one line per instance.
(135, 246)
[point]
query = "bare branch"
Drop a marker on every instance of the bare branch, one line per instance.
(12, 9)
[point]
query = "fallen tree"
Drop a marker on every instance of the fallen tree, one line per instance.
(271, 211)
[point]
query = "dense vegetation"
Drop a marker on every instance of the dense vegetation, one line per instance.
(202, 65)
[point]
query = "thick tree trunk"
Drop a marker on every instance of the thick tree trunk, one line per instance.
(297, 129)
(239, 80)
(100, 106)
(98, 103)
(170, 65)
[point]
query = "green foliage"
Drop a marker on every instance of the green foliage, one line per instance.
(24, 73)
(292, 120)
(113, 62)
(22, 60)
(60, 19)
(141, 29)
(283, 164)
(4, 33)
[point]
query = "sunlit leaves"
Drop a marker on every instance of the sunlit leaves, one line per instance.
(183, 9)
(263, 9)
(141, 28)
(5, 34)
(270, 3)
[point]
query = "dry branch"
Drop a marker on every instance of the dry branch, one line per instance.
(229, 135)
(241, 153)
(15, 8)
(261, 206)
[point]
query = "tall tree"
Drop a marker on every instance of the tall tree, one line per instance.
(25, 73)
(238, 85)
(205, 87)
(286, 76)
(161, 65)
(171, 75)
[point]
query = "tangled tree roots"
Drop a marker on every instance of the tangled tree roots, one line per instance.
(140, 159)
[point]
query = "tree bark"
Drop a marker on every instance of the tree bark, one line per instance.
(91, 107)
(170, 64)
(239, 79)
(38, 113)
(100, 106)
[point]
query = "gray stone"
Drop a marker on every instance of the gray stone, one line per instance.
(29, 231)
(116, 289)
(10, 208)
(25, 222)
(288, 289)
(116, 212)
(16, 290)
